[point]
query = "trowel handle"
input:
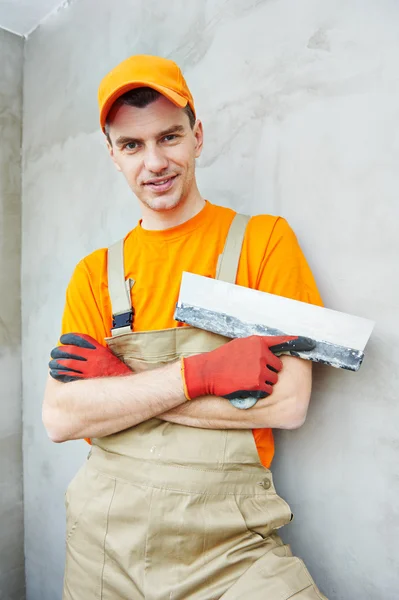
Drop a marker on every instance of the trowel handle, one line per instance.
(249, 402)
(244, 403)
(300, 343)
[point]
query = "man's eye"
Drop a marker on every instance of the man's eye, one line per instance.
(170, 138)
(131, 146)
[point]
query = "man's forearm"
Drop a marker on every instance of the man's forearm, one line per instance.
(102, 406)
(285, 408)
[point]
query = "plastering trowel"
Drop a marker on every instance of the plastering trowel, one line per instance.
(235, 311)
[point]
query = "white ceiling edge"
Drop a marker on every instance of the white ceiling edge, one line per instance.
(2, 27)
(24, 26)
(60, 6)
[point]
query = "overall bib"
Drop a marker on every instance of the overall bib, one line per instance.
(167, 512)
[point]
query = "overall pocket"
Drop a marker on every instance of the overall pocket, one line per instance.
(266, 511)
(77, 496)
(87, 500)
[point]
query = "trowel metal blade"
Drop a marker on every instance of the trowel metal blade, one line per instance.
(236, 311)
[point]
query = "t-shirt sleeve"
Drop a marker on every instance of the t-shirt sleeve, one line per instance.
(82, 312)
(284, 270)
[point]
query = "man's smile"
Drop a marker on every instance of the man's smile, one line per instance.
(161, 184)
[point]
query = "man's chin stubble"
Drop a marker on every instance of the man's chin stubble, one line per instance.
(154, 205)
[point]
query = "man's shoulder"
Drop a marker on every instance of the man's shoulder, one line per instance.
(265, 226)
(93, 260)
(258, 220)
(265, 219)
(97, 260)
(261, 226)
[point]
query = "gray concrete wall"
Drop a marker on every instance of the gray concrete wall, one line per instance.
(12, 578)
(300, 107)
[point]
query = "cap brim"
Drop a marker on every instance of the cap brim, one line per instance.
(171, 95)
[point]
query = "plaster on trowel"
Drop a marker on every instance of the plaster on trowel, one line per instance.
(235, 311)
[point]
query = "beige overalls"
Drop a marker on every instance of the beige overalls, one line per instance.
(168, 512)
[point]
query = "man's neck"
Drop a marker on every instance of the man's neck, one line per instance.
(165, 219)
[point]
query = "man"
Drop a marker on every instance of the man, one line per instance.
(176, 499)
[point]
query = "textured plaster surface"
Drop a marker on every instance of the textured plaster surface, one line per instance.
(299, 102)
(12, 579)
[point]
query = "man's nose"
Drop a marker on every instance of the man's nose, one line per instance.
(155, 160)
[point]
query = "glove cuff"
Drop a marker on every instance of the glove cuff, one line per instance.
(183, 376)
(192, 377)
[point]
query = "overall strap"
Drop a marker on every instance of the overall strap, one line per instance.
(230, 257)
(119, 290)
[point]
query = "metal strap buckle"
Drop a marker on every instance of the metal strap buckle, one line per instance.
(123, 320)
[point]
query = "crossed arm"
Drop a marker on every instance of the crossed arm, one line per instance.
(102, 406)
(285, 408)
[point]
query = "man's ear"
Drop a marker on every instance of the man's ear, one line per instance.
(199, 138)
(112, 154)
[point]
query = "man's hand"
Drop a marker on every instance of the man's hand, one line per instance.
(245, 367)
(82, 357)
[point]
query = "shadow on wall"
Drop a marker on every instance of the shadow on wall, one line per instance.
(5, 339)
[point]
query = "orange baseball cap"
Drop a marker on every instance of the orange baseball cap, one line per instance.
(143, 70)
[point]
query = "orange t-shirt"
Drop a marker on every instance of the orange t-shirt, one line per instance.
(271, 260)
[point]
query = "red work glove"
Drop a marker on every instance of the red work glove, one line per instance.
(82, 357)
(245, 367)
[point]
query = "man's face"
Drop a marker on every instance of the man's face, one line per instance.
(155, 149)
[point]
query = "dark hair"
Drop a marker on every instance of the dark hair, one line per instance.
(140, 98)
